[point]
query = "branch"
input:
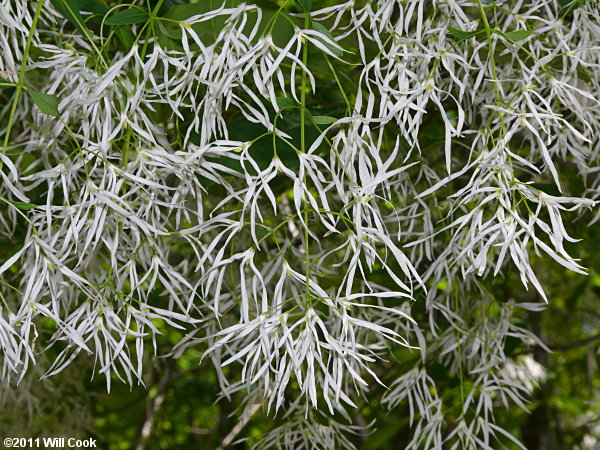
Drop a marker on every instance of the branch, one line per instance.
(241, 424)
(153, 406)
(568, 346)
(575, 344)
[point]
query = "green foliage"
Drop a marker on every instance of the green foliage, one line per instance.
(71, 10)
(464, 34)
(48, 103)
(22, 205)
(128, 16)
(304, 5)
(516, 35)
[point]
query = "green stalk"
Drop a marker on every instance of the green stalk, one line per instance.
(19, 88)
(488, 32)
(153, 14)
(491, 50)
(303, 149)
(337, 80)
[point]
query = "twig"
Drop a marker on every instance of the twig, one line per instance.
(575, 344)
(567, 346)
(153, 406)
(241, 424)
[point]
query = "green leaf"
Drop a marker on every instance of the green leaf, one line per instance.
(47, 103)
(461, 34)
(169, 29)
(5, 84)
(22, 205)
(285, 102)
(70, 10)
(282, 30)
(126, 36)
(321, 29)
(127, 17)
(90, 6)
(167, 43)
(187, 10)
(183, 12)
(207, 30)
(324, 120)
(304, 5)
(516, 35)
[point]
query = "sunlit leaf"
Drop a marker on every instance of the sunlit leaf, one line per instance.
(48, 103)
(324, 120)
(461, 34)
(516, 35)
(23, 205)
